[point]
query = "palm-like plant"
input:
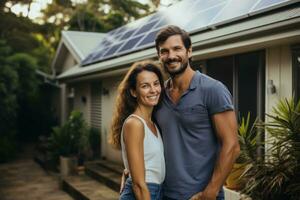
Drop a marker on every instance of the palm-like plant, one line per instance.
(276, 175)
(247, 135)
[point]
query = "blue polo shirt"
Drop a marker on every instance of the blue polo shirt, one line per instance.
(190, 143)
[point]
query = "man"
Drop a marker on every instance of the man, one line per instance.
(197, 121)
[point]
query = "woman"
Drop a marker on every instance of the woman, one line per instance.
(134, 131)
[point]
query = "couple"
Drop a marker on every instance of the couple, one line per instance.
(178, 139)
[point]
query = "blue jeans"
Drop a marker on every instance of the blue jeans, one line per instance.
(128, 194)
(167, 198)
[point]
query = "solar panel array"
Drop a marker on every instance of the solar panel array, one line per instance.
(191, 15)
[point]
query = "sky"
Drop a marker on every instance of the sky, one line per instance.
(35, 10)
(38, 5)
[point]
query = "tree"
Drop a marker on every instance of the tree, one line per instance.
(24, 36)
(27, 93)
(8, 89)
(8, 104)
(96, 15)
(83, 20)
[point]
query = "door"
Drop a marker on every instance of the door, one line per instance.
(296, 71)
(243, 75)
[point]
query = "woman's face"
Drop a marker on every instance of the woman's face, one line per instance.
(148, 89)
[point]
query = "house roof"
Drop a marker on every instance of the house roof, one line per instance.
(78, 43)
(262, 30)
(194, 16)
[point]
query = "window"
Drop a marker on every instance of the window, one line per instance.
(244, 76)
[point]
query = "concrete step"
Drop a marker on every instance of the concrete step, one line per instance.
(105, 174)
(83, 187)
(115, 167)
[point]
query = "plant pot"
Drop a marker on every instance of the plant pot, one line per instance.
(68, 165)
(233, 180)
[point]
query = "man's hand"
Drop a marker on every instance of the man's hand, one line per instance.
(125, 175)
(203, 196)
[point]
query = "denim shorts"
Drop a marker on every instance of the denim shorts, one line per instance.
(128, 194)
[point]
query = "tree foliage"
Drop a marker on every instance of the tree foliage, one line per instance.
(25, 66)
(8, 87)
(94, 15)
(28, 45)
(23, 36)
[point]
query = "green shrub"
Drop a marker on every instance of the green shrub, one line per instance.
(70, 138)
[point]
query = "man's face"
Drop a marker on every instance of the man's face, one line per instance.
(174, 56)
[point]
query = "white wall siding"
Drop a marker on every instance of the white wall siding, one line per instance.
(82, 90)
(69, 62)
(278, 69)
(108, 100)
(96, 105)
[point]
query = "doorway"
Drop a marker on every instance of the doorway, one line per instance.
(244, 76)
(296, 71)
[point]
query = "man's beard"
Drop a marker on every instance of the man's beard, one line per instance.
(181, 69)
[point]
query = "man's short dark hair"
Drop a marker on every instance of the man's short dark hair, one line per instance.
(169, 31)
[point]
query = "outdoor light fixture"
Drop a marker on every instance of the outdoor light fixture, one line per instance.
(105, 91)
(83, 99)
(271, 87)
(71, 93)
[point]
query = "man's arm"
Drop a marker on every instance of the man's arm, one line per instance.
(225, 125)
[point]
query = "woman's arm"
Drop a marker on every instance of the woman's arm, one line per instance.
(133, 133)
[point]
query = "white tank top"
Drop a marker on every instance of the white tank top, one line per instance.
(153, 154)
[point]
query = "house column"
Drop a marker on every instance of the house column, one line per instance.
(63, 103)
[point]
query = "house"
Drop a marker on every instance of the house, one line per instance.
(72, 49)
(252, 46)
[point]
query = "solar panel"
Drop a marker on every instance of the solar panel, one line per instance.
(149, 39)
(203, 17)
(127, 34)
(163, 21)
(106, 43)
(146, 27)
(191, 15)
(120, 30)
(153, 17)
(202, 5)
(112, 50)
(263, 6)
(130, 43)
(98, 54)
(233, 11)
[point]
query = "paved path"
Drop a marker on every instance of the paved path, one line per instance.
(23, 179)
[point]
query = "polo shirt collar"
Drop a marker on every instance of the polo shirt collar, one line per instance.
(195, 80)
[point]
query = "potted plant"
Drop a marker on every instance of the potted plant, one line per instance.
(276, 175)
(247, 136)
(67, 141)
